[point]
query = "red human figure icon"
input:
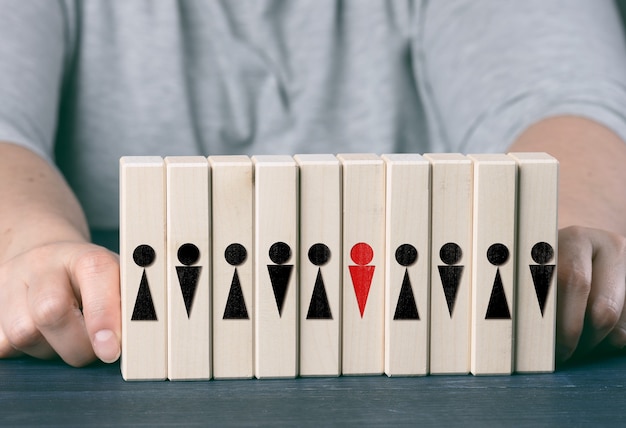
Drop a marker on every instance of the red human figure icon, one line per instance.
(361, 275)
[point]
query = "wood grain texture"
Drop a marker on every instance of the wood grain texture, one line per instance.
(493, 271)
(320, 271)
(537, 242)
(233, 308)
(407, 261)
(276, 266)
(363, 277)
(189, 296)
(451, 236)
(142, 223)
(50, 393)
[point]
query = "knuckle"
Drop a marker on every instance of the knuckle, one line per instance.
(96, 309)
(575, 280)
(604, 314)
(6, 350)
(620, 245)
(94, 263)
(573, 233)
(50, 310)
(22, 333)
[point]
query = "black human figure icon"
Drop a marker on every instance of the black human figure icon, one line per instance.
(280, 273)
(188, 276)
(144, 256)
(406, 308)
(450, 274)
(498, 308)
(235, 254)
(542, 253)
(319, 308)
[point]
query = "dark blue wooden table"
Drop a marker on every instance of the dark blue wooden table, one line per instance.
(589, 393)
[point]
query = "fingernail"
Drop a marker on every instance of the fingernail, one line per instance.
(106, 346)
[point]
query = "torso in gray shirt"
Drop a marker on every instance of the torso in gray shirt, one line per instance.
(94, 80)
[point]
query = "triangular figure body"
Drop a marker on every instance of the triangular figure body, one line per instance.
(498, 306)
(406, 308)
(450, 280)
(235, 304)
(542, 278)
(279, 276)
(362, 281)
(319, 307)
(188, 277)
(144, 306)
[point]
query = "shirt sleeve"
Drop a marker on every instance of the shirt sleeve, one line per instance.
(32, 50)
(489, 69)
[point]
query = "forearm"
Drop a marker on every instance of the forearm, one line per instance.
(37, 205)
(592, 170)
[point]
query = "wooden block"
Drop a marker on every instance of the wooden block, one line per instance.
(320, 264)
(493, 272)
(451, 263)
(188, 267)
(276, 266)
(407, 277)
(142, 268)
(232, 216)
(537, 238)
(364, 264)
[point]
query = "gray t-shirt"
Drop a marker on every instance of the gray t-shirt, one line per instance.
(89, 81)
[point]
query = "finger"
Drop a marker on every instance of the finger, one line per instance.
(617, 336)
(606, 298)
(56, 313)
(96, 273)
(574, 284)
(18, 328)
(6, 350)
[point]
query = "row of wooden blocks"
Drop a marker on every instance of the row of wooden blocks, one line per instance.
(323, 265)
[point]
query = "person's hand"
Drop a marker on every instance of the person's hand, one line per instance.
(61, 299)
(591, 290)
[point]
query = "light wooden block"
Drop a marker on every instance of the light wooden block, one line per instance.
(451, 263)
(142, 268)
(494, 254)
(537, 239)
(276, 266)
(320, 264)
(188, 267)
(407, 277)
(364, 264)
(232, 218)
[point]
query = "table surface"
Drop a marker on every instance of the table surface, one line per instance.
(588, 393)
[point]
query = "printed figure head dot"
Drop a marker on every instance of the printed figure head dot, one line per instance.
(235, 254)
(450, 253)
(144, 255)
(542, 253)
(188, 254)
(279, 253)
(406, 254)
(497, 254)
(361, 253)
(319, 254)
